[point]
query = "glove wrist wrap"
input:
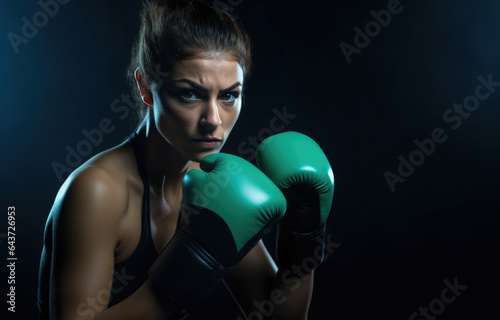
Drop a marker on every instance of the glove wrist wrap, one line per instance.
(294, 248)
(191, 276)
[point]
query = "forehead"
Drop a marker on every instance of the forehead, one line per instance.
(219, 70)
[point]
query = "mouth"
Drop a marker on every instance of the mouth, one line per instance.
(208, 142)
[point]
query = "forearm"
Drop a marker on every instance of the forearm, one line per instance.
(291, 294)
(293, 284)
(148, 302)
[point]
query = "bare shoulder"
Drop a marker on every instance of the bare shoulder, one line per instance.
(97, 192)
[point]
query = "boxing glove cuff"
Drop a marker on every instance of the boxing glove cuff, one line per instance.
(294, 248)
(186, 272)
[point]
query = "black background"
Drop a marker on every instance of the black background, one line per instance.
(397, 247)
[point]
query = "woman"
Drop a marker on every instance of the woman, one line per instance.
(116, 213)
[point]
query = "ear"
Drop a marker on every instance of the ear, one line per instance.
(146, 95)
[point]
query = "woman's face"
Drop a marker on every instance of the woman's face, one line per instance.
(197, 104)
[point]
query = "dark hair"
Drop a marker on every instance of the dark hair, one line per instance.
(173, 30)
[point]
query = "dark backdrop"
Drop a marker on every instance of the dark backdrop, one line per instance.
(397, 247)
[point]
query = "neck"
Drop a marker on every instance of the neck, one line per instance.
(165, 166)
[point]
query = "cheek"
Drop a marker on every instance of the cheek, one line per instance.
(174, 121)
(230, 117)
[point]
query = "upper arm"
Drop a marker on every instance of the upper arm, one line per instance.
(252, 278)
(85, 221)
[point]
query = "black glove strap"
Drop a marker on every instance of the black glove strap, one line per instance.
(293, 248)
(186, 272)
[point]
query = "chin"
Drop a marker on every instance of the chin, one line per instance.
(197, 157)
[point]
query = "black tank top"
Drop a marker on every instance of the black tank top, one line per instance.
(131, 273)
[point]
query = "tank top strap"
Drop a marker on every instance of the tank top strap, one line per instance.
(140, 152)
(134, 268)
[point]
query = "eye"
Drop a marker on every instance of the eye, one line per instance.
(188, 95)
(230, 96)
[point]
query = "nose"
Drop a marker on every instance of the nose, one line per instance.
(210, 117)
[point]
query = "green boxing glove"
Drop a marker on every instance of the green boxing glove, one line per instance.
(227, 208)
(298, 166)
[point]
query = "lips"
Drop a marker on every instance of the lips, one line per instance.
(208, 142)
(209, 139)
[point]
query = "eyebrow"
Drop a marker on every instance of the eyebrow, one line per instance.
(203, 89)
